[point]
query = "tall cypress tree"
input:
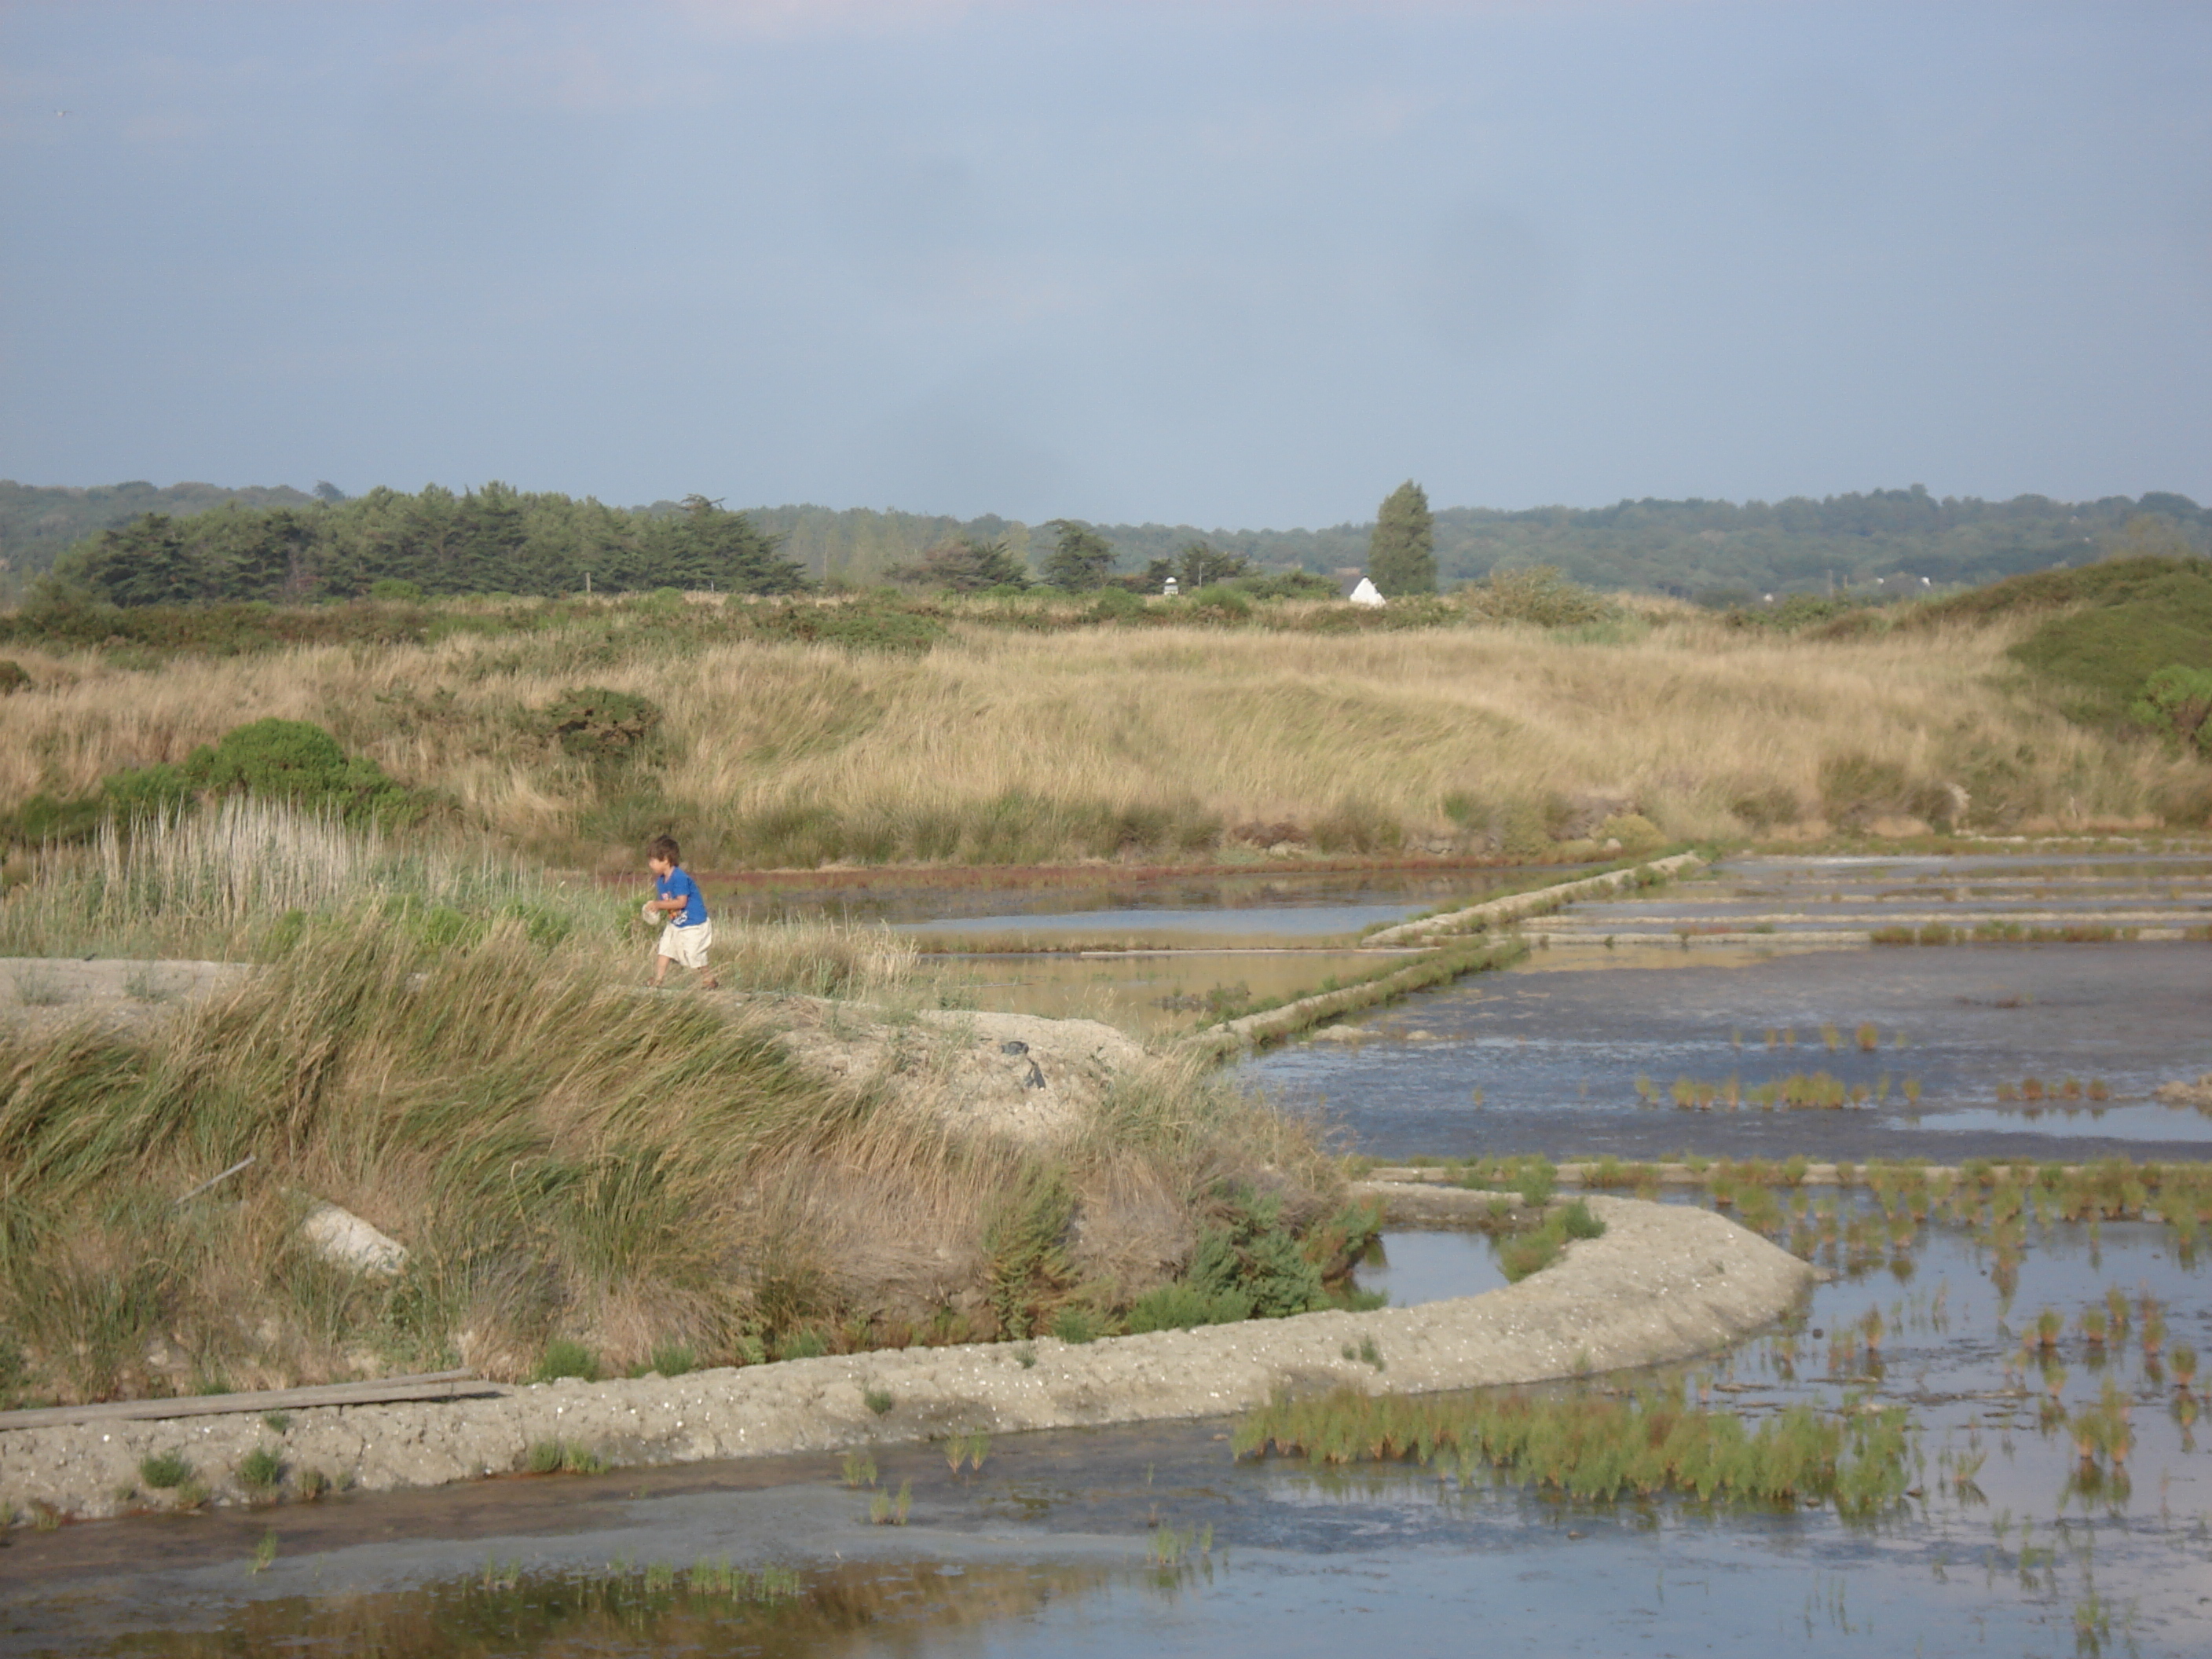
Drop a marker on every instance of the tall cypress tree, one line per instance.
(1401, 556)
(1082, 560)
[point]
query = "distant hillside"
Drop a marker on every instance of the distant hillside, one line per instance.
(1718, 552)
(38, 521)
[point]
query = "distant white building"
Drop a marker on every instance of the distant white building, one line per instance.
(1366, 593)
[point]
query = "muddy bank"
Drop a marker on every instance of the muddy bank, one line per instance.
(1664, 1283)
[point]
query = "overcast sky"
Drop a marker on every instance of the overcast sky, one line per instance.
(1237, 265)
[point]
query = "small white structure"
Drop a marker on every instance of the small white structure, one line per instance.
(1171, 591)
(1366, 593)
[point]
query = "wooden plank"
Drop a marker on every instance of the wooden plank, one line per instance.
(428, 1385)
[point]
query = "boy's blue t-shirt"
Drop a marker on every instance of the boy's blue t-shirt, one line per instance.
(677, 884)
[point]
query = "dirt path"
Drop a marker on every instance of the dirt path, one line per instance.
(1665, 1283)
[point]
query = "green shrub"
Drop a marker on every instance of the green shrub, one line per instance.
(1076, 1324)
(1115, 604)
(1535, 1181)
(262, 1469)
(1287, 585)
(566, 1357)
(1181, 1306)
(1221, 601)
(395, 589)
(805, 1343)
(165, 1470)
(597, 724)
(2177, 700)
(296, 761)
(13, 677)
(1253, 1255)
(1579, 1223)
(866, 627)
(1540, 596)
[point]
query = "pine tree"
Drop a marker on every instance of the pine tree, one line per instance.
(1082, 560)
(1401, 553)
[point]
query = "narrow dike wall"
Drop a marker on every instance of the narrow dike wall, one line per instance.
(1665, 1283)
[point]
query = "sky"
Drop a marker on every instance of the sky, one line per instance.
(1235, 264)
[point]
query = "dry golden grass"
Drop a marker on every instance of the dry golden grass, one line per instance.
(1102, 733)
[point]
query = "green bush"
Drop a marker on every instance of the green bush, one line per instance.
(1218, 602)
(564, 1356)
(296, 761)
(1540, 596)
(164, 1471)
(1579, 1223)
(597, 724)
(866, 627)
(1535, 1181)
(13, 677)
(394, 590)
(262, 1469)
(1076, 1325)
(1287, 585)
(2177, 700)
(1182, 1306)
(1253, 1255)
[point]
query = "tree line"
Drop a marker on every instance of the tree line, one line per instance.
(491, 540)
(288, 545)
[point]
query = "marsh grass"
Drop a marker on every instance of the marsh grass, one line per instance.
(165, 1470)
(563, 1457)
(262, 1470)
(1597, 1448)
(588, 1181)
(885, 1509)
(1522, 1254)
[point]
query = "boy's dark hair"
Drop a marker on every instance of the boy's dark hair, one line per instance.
(665, 847)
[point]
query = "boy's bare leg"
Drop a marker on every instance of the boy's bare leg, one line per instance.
(660, 968)
(707, 980)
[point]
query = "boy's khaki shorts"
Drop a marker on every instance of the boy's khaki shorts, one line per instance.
(687, 946)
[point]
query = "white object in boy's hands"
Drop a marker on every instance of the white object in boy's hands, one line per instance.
(652, 913)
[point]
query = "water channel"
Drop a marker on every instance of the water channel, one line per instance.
(1158, 1539)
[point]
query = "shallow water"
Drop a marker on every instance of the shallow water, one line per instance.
(1557, 1056)
(1432, 1265)
(1264, 901)
(1046, 1548)
(1148, 994)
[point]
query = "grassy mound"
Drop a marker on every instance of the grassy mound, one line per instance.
(2118, 622)
(586, 1176)
(646, 1179)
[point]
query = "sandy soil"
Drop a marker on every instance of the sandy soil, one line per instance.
(1010, 1073)
(1665, 1283)
(47, 993)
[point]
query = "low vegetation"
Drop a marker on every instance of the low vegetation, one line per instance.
(588, 1180)
(1521, 719)
(1597, 1448)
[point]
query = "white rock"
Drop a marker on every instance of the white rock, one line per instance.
(342, 1236)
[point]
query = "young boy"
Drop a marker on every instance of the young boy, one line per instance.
(677, 896)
